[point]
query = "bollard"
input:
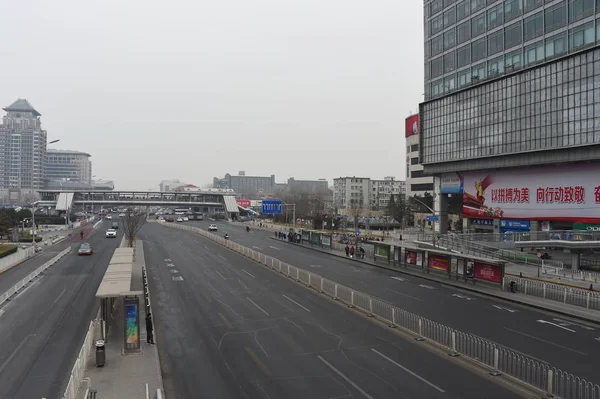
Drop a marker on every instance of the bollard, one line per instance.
(321, 290)
(454, 353)
(288, 270)
(371, 308)
(587, 300)
(495, 371)
(309, 279)
(549, 388)
(335, 297)
(420, 337)
(297, 274)
(352, 299)
(393, 325)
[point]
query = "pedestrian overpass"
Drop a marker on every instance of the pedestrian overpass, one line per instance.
(206, 201)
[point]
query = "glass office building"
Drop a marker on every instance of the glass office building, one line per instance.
(511, 85)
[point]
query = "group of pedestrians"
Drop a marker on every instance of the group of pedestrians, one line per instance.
(350, 252)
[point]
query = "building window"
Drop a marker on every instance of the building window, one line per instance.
(435, 6)
(495, 42)
(464, 56)
(579, 9)
(495, 16)
(437, 67)
(449, 17)
(450, 62)
(437, 45)
(477, 5)
(421, 187)
(449, 39)
(496, 66)
(534, 53)
(513, 35)
(556, 45)
(478, 25)
(556, 17)
(533, 26)
(414, 161)
(581, 36)
(512, 9)
(530, 5)
(478, 50)
(437, 24)
(416, 173)
(462, 10)
(463, 32)
(414, 147)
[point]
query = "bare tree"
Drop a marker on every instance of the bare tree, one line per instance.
(356, 210)
(132, 223)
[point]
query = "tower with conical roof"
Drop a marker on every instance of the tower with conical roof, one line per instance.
(22, 147)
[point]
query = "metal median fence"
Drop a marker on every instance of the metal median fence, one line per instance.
(22, 283)
(554, 382)
(78, 371)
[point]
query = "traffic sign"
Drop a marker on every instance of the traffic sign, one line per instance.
(432, 218)
(272, 207)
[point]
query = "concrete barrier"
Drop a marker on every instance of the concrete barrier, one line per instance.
(59, 239)
(10, 261)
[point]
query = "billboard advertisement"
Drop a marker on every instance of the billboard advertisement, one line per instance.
(413, 258)
(452, 183)
(568, 192)
(244, 203)
(411, 125)
(132, 333)
(438, 262)
(491, 273)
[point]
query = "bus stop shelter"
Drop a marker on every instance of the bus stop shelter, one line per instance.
(122, 285)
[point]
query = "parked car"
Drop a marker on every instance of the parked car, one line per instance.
(179, 219)
(185, 219)
(85, 249)
(111, 233)
(115, 225)
(212, 227)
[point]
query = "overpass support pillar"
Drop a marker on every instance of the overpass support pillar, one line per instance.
(440, 206)
(575, 260)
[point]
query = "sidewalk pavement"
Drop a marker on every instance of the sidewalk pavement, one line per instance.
(124, 375)
(539, 303)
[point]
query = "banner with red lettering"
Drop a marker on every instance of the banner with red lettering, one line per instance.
(561, 192)
(244, 203)
(438, 262)
(484, 271)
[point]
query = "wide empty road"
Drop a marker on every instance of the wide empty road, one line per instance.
(229, 328)
(42, 329)
(568, 344)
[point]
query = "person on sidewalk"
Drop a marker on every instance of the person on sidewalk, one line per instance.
(149, 329)
(352, 251)
(362, 252)
(347, 249)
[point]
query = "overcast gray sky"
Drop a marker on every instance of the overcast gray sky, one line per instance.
(192, 89)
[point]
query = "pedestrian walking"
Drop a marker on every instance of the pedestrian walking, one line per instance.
(347, 249)
(149, 329)
(352, 251)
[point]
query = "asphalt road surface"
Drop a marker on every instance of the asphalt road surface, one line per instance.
(42, 329)
(229, 328)
(570, 345)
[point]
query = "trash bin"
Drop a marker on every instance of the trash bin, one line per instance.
(100, 353)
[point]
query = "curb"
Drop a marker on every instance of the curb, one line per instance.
(450, 282)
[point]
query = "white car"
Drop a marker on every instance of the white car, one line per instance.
(180, 219)
(111, 233)
(121, 215)
(186, 219)
(212, 227)
(109, 217)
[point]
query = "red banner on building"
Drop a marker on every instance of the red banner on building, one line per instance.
(411, 125)
(438, 262)
(492, 273)
(244, 203)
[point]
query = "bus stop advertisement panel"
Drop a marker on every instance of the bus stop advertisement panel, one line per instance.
(382, 252)
(326, 240)
(414, 257)
(437, 262)
(305, 236)
(490, 273)
(315, 238)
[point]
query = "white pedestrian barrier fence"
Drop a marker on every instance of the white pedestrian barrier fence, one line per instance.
(501, 360)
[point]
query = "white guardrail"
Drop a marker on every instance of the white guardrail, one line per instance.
(78, 371)
(22, 283)
(9, 261)
(551, 380)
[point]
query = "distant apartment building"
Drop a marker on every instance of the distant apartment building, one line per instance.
(316, 187)
(74, 167)
(383, 190)
(170, 185)
(416, 182)
(364, 194)
(243, 184)
(22, 148)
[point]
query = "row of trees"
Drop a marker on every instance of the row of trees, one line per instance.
(403, 209)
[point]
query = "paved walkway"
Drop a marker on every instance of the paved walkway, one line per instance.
(536, 302)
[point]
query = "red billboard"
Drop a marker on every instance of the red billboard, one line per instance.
(411, 125)
(484, 271)
(244, 203)
(438, 262)
(413, 258)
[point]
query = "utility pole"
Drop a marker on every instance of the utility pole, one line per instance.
(33, 230)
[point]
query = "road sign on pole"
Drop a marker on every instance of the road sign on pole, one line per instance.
(272, 207)
(432, 218)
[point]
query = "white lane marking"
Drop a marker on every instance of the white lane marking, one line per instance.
(222, 257)
(291, 300)
(408, 371)
(427, 286)
(170, 264)
(255, 304)
(597, 339)
(248, 273)
(462, 297)
(97, 223)
(177, 278)
(571, 323)
(406, 295)
(1, 312)
(205, 247)
(168, 260)
(501, 308)
(348, 380)
(255, 247)
(555, 325)
(270, 246)
(544, 341)
(174, 271)
(223, 277)
(398, 278)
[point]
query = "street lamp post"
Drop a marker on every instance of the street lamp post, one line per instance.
(92, 179)
(33, 230)
(433, 213)
(293, 217)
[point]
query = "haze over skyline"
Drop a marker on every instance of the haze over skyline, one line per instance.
(193, 89)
